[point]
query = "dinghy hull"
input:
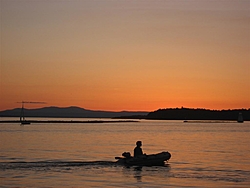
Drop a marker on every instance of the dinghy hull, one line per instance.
(158, 159)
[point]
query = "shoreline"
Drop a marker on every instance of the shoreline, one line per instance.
(70, 121)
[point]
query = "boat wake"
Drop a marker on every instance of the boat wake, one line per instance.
(52, 164)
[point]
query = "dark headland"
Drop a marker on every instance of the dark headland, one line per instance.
(198, 114)
(189, 114)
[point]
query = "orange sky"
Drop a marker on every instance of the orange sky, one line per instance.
(125, 54)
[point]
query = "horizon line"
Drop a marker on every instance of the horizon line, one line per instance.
(192, 108)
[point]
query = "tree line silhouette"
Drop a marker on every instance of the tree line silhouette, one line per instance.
(198, 114)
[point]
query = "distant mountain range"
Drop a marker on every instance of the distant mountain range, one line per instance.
(160, 114)
(69, 112)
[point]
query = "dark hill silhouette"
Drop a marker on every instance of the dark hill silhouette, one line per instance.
(198, 114)
(68, 112)
(160, 114)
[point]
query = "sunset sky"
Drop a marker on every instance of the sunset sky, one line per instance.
(125, 54)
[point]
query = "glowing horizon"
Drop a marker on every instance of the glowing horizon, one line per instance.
(126, 55)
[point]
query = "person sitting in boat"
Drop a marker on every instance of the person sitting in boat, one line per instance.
(138, 150)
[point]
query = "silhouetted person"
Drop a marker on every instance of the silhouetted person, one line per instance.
(138, 150)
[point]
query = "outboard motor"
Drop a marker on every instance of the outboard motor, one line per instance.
(127, 155)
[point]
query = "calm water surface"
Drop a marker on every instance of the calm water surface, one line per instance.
(82, 155)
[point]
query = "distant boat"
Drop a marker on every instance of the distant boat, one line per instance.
(23, 121)
(240, 118)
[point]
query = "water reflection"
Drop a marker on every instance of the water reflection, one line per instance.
(137, 173)
(145, 174)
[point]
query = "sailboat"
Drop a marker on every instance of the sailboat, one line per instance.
(23, 121)
(240, 118)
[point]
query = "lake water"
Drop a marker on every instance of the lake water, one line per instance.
(82, 155)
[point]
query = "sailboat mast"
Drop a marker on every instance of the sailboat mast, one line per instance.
(22, 113)
(22, 117)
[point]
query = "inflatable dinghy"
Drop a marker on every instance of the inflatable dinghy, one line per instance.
(158, 159)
